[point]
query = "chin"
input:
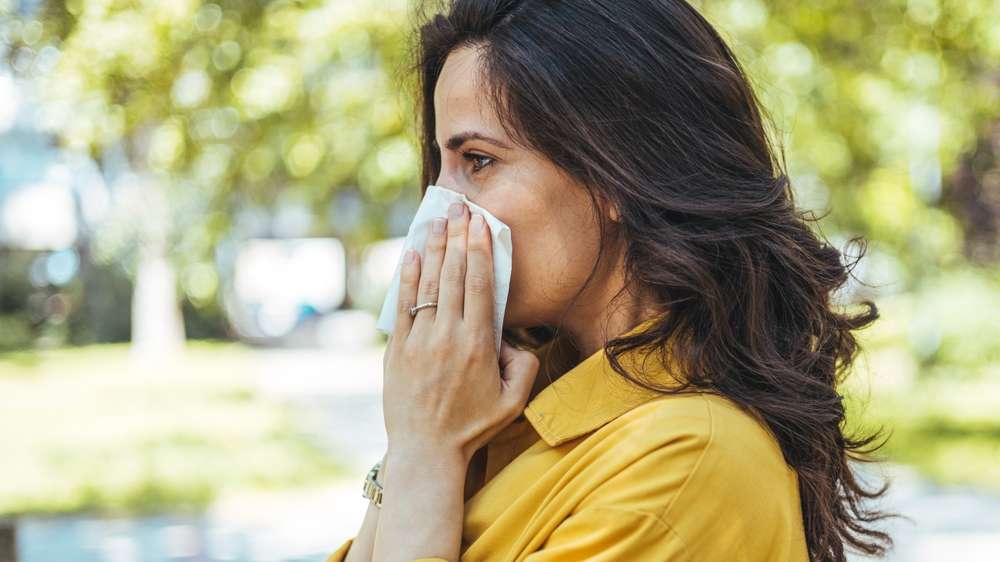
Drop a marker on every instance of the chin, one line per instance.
(518, 319)
(512, 319)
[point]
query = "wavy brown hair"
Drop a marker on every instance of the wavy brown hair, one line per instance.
(644, 104)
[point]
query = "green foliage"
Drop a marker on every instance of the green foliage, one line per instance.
(244, 106)
(230, 109)
(85, 429)
(875, 103)
(945, 330)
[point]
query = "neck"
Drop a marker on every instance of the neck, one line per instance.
(598, 316)
(590, 332)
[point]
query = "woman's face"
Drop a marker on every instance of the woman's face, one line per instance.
(555, 239)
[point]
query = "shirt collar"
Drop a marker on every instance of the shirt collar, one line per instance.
(590, 394)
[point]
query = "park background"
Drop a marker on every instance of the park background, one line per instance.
(201, 205)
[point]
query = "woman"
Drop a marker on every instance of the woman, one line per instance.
(671, 394)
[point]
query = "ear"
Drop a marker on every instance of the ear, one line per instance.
(613, 213)
(610, 210)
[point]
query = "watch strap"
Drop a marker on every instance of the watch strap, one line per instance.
(372, 489)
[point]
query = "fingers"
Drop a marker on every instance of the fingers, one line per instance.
(409, 275)
(518, 371)
(452, 296)
(430, 272)
(479, 299)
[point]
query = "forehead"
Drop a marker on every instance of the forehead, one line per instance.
(460, 101)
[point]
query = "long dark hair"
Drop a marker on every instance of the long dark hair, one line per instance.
(643, 103)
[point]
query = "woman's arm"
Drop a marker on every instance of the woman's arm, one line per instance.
(421, 516)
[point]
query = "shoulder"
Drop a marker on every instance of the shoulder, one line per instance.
(704, 469)
(716, 426)
(711, 423)
(708, 421)
(696, 453)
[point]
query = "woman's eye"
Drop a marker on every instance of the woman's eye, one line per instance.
(477, 160)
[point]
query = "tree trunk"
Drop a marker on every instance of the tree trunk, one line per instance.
(157, 324)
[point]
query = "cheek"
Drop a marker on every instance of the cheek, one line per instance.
(550, 234)
(533, 260)
(551, 261)
(536, 258)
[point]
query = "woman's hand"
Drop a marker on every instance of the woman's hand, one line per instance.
(445, 391)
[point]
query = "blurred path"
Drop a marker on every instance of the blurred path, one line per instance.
(336, 397)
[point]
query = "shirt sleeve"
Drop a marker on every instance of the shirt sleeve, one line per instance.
(341, 553)
(606, 534)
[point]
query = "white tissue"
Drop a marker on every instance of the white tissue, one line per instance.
(435, 204)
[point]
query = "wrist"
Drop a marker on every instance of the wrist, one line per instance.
(418, 457)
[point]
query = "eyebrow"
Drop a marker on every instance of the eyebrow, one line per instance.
(461, 138)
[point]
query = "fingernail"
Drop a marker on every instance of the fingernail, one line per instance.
(410, 256)
(439, 225)
(477, 223)
(455, 211)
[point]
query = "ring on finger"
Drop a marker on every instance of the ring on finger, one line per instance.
(415, 309)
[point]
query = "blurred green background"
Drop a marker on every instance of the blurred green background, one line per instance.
(150, 151)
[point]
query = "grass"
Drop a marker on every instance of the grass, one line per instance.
(89, 429)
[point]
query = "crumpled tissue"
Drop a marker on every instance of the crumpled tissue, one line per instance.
(435, 204)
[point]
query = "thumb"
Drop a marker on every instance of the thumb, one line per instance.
(518, 370)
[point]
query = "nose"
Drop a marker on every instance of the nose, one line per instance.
(444, 181)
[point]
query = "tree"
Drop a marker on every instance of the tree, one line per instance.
(879, 100)
(208, 116)
(238, 113)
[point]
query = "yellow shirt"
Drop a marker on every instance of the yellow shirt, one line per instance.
(602, 470)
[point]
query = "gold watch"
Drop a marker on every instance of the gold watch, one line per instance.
(372, 489)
